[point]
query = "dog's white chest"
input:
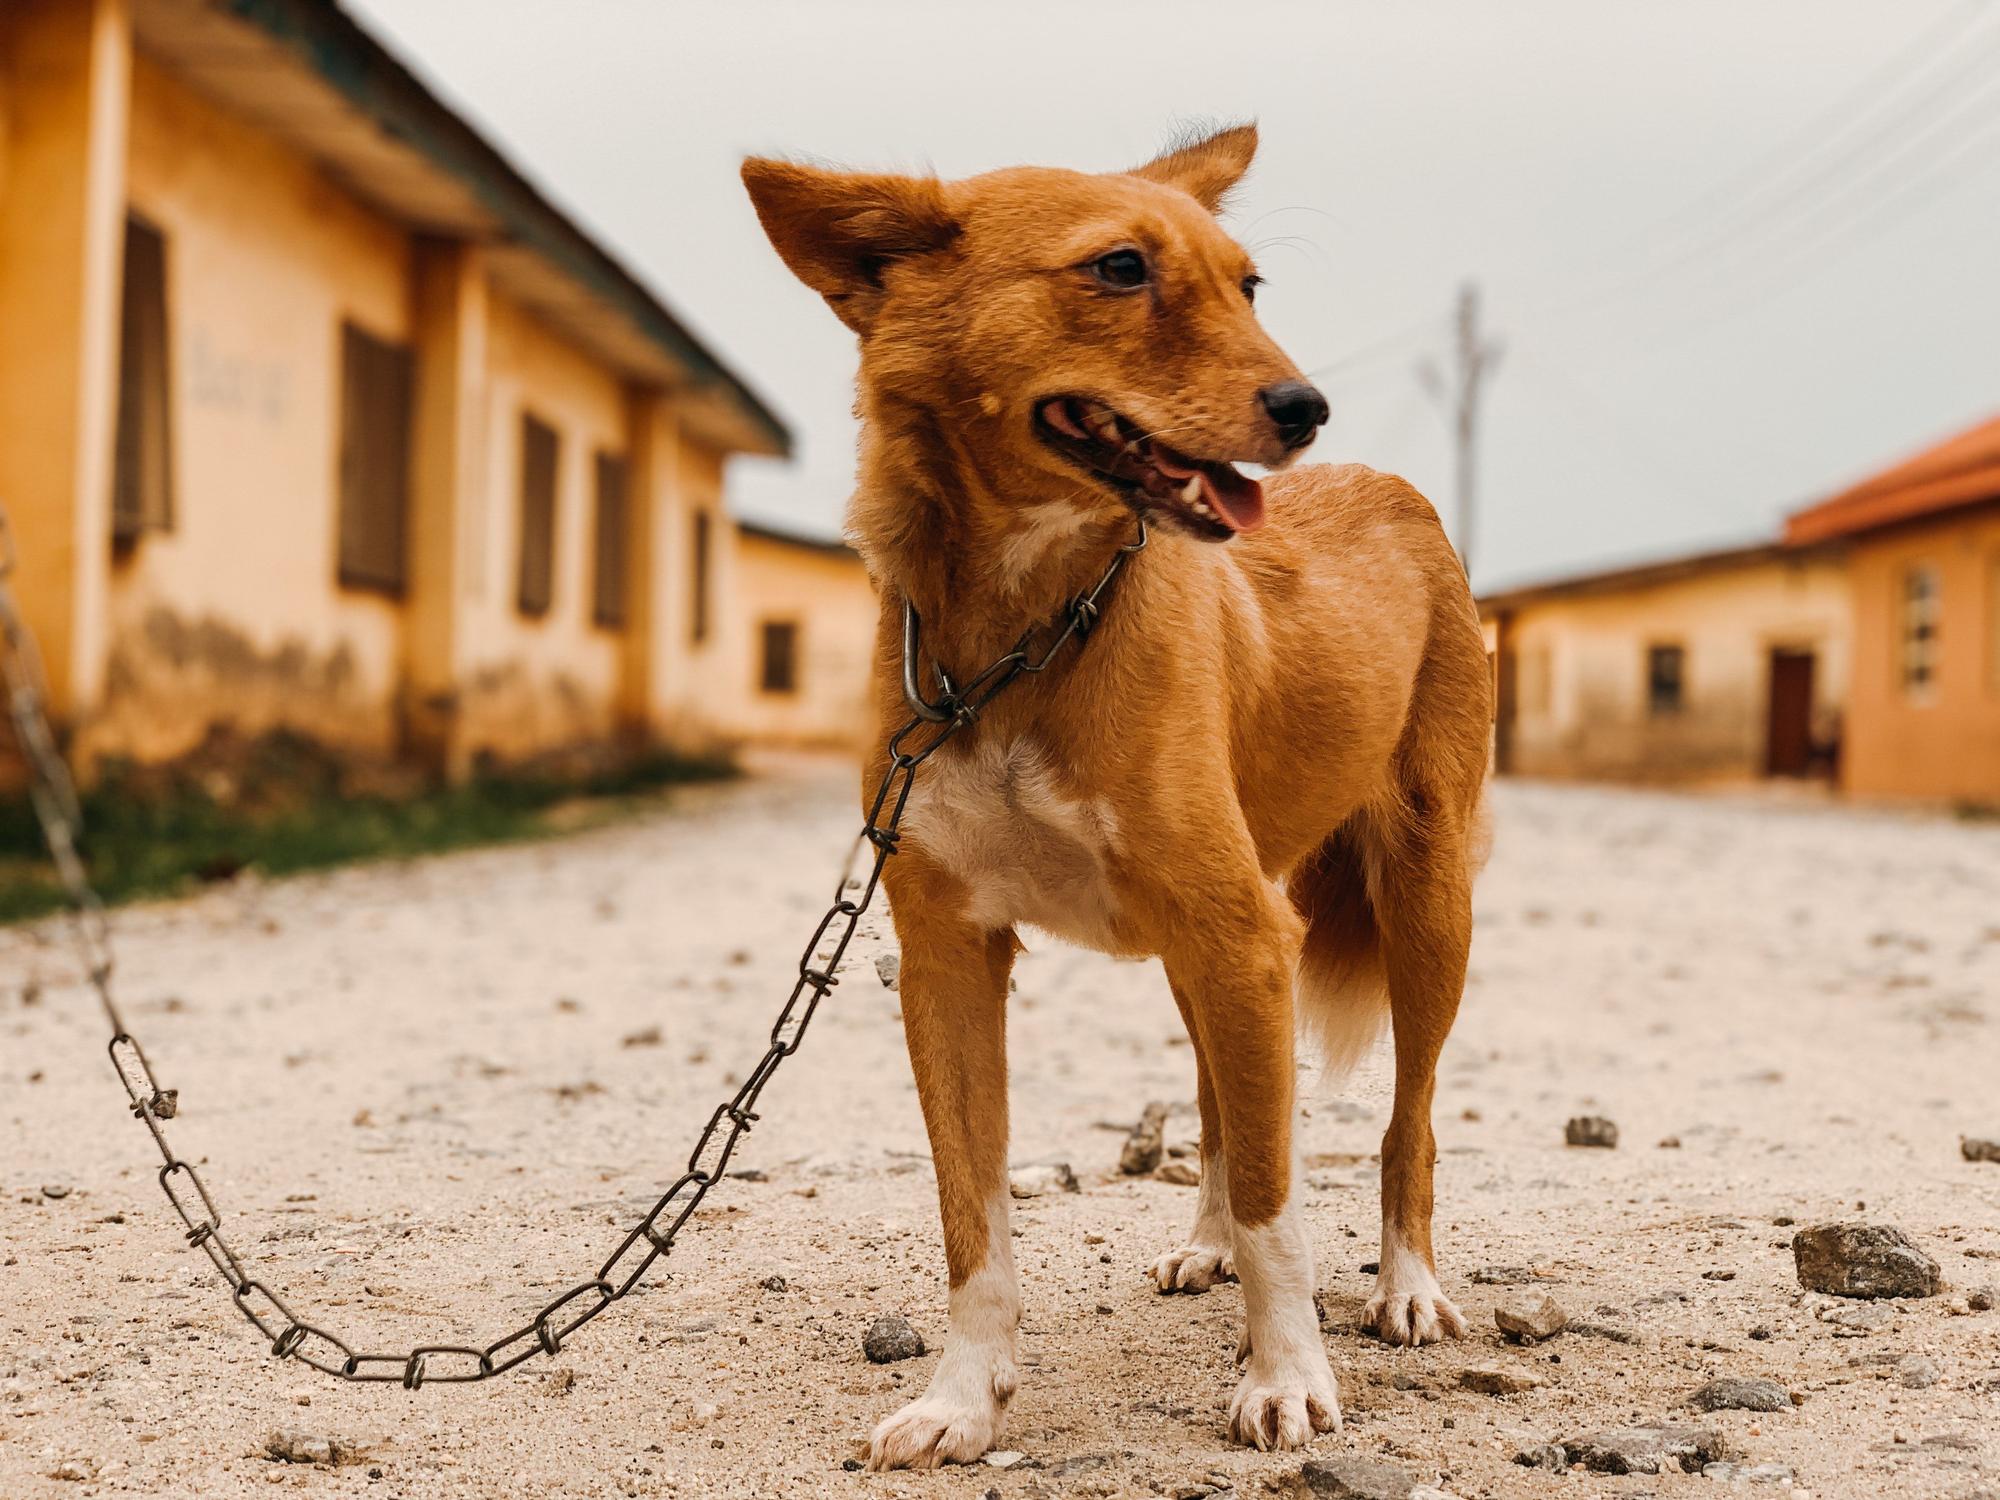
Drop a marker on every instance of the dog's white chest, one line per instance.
(999, 818)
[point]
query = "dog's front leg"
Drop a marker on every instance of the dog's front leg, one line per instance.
(1235, 967)
(954, 994)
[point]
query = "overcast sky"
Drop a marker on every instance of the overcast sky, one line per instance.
(1738, 253)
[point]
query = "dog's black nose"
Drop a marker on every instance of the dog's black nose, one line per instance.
(1298, 409)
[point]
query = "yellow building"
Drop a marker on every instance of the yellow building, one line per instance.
(315, 414)
(1923, 548)
(809, 614)
(1723, 666)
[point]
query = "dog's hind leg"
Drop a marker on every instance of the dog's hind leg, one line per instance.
(1421, 890)
(1206, 1256)
(1234, 960)
(954, 994)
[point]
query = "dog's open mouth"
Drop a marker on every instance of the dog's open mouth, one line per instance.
(1208, 497)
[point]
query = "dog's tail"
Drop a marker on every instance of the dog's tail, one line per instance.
(1343, 989)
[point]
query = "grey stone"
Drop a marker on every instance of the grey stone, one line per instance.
(55, 1190)
(890, 1338)
(1613, 1332)
(1544, 1456)
(1857, 1322)
(1503, 1276)
(1978, 1148)
(1919, 1372)
(1180, 1173)
(1499, 1380)
(1146, 1146)
(1863, 1260)
(1041, 1178)
(1735, 1394)
(1531, 1319)
(1736, 1473)
(1591, 1130)
(1003, 1458)
(293, 1447)
(1661, 1449)
(1355, 1479)
(889, 969)
(1980, 1299)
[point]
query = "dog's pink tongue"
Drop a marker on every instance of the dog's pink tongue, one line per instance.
(1237, 498)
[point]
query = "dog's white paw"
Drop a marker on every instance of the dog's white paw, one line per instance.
(1282, 1404)
(1409, 1307)
(934, 1430)
(1193, 1268)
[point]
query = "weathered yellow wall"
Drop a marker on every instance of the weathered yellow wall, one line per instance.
(234, 614)
(1580, 671)
(828, 596)
(1946, 744)
(536, 681)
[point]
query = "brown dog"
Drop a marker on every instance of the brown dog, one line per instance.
(1265, 767)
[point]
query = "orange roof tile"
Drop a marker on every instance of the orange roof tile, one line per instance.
(1962, 470)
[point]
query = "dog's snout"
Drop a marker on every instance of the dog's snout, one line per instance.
(1297, 408)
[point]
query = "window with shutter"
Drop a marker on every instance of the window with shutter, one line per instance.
(608, 594)
(698, 625)
(142, 496)
(540, 448)
(377, 385)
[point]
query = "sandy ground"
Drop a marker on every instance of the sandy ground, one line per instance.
(415, 1095)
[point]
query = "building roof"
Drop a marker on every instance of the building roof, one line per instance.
(306, 72)
(1960, 471)
(1636, 576)
(829, 546)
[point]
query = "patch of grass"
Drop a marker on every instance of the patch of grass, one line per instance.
(149, 842)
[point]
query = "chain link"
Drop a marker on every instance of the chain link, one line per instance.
(291, 1337)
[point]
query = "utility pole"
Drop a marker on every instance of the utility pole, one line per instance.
(1457, 394)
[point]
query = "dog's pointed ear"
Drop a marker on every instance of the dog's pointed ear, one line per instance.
(1207, 167)
(839, 231)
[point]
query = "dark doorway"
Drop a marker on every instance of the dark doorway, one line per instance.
(1788, 751)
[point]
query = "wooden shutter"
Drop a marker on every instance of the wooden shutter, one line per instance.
(377, 385)
(698, 628)
(608, 593)
(781, 657)
(142, 467)
(540, 448)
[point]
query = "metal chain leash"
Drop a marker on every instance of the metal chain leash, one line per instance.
(56, 805)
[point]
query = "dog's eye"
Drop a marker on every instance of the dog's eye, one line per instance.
(1250, 285)
(1123, 269)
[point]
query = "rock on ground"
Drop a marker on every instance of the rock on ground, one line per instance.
(1736, 1394)
(1527, 1320)
(1499, 1380)
(1979, 1148)
(1353, 1479)
(1662, 1449)
(1735, 1473)
(891, 1337)
(1040, 1178)
(1863, 1260)
(1147, 1143)
(1591, 1130)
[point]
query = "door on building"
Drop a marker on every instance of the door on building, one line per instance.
(1789, 747)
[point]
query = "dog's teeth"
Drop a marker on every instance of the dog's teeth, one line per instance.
(1191, 492)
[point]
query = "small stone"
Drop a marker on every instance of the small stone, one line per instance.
(1041, 1178)
(1503, 1275)
(1980, 1299)
(1670, 1143)
(1613, 1332)
(1661, 1449)
(775, 1284)
(293, 1447)
(1854, 1322)
(889, 969)
(1544, 1456)
(1591, 1130)
(1738, 1473)
(1919, 1372)
(1146, 1145)
(72, 1471)
(701, 1413)
(649, 1036)
(1003, 1458)
(1531, 1319)
(1979, 1148)
(1354, 1479)
(1863, 1260)
(890, 1338)
(558, 1382)
(54, 1190)
(1499, 1380)
(1180, 1172)
(1734, 1394)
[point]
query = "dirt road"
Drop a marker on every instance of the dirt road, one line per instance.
(429, 1095)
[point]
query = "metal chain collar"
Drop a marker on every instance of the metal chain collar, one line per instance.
(56, 805)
